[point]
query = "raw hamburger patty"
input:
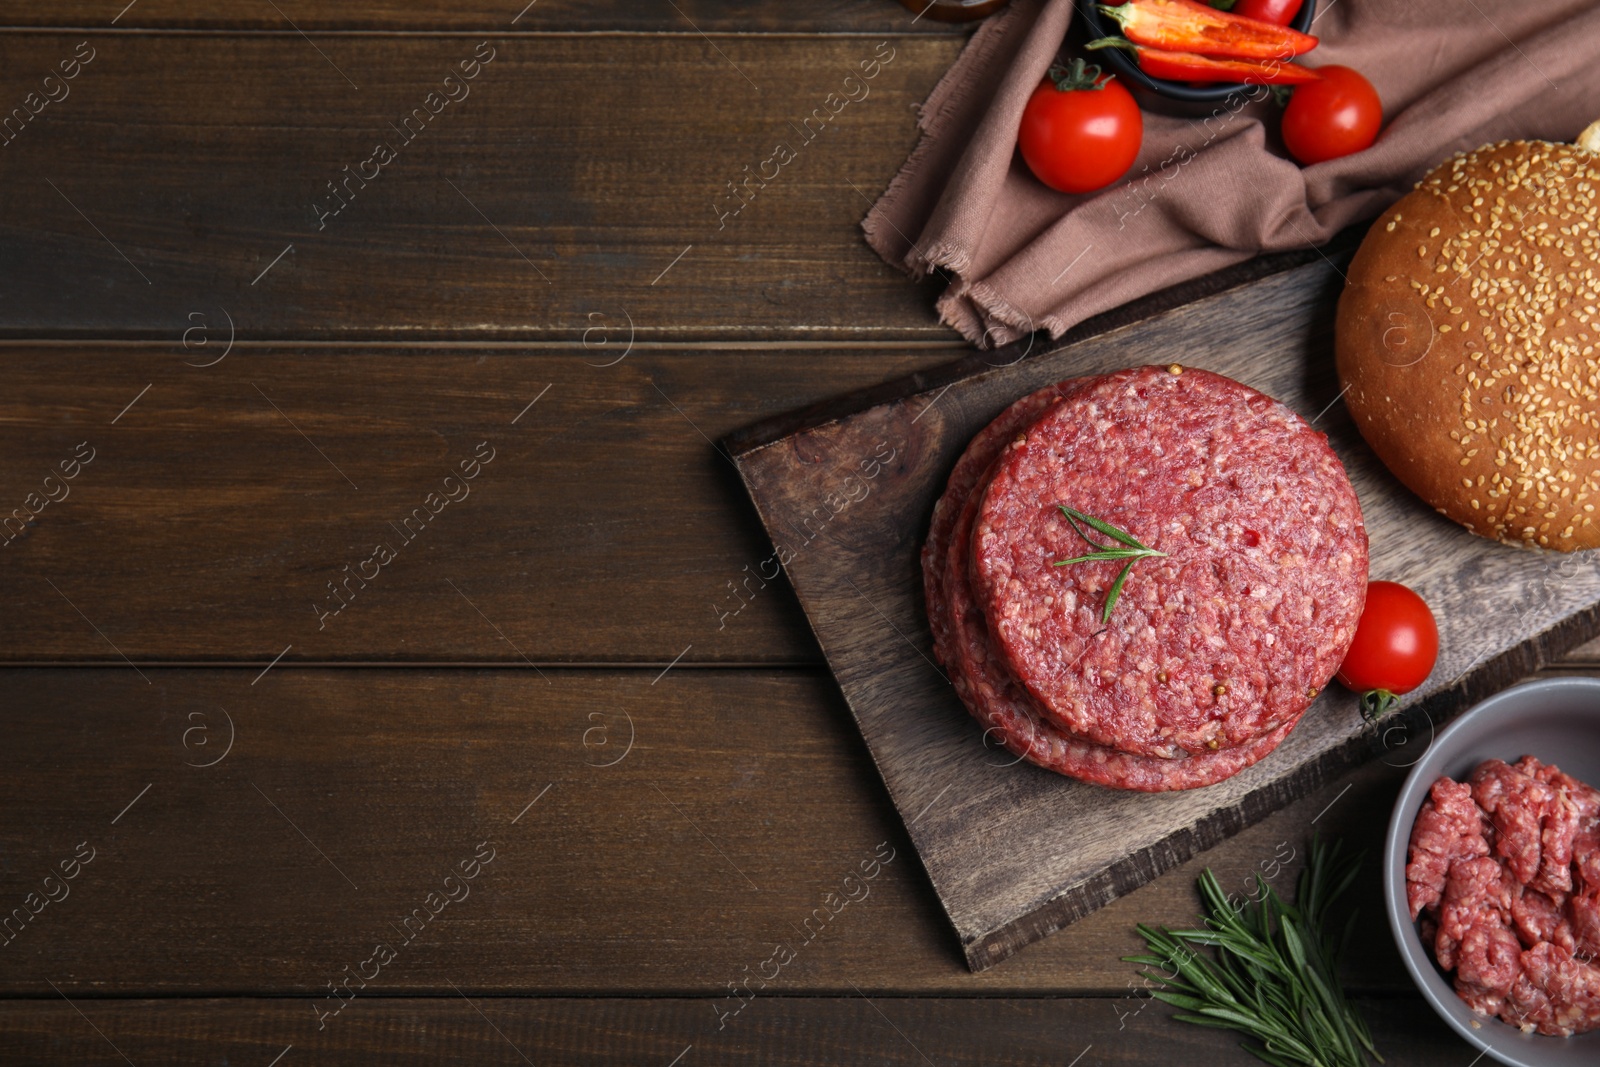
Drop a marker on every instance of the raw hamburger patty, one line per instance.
(1503, 874)
(995, 699)
(964, 479)
(1235, 631)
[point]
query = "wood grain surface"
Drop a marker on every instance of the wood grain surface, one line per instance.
(567, 1030)
(1016, 852)
(465, 16)
(673, 865)
(221, 503)
(554, 197)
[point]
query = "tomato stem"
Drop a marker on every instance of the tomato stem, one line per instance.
(1376, 703)
(1077, 75)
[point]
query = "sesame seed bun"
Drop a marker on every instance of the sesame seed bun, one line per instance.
(1466, 342)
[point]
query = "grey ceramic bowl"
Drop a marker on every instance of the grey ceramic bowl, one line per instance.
(1554, 719)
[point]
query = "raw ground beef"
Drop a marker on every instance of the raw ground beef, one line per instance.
(984, 681)
(964, 479)
(1234, 632)
(1450, 827)
(1004, 707)
(1503, 878)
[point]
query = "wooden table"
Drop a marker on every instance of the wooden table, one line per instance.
(529, 750)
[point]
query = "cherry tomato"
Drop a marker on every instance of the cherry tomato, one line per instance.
(1336, 115)
(1080, 130)
(1394, 650)
(1277, 12)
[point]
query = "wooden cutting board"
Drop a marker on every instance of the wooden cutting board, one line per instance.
(1014, 852)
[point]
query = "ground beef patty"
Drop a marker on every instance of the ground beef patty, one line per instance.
(997, 701)
(966, 477)
(1229, 636)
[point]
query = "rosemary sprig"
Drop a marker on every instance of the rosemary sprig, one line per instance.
(1274, 975)
(1132, 551)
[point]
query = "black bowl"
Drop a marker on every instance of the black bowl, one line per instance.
(1123, 65)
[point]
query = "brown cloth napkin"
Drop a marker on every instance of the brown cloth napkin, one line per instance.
(1216, 188)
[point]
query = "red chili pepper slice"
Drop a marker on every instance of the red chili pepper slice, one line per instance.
(1186, 66)
(1189, 26)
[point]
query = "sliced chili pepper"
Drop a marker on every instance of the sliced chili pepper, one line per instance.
(1186, 66)
(1188, 26)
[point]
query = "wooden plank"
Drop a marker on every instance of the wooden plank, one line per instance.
(600, 1031)
(216, 510)
(1017, 853)
(553, 197)
(469, 16)
(744, 801)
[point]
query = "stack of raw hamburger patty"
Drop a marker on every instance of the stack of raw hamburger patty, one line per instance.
(1214, 649)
